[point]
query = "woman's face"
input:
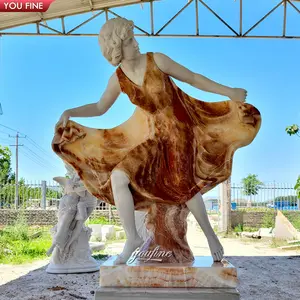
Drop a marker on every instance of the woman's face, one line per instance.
(130, 47)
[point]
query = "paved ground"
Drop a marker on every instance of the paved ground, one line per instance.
(264, 273)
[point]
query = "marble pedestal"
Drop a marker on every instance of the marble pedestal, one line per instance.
(86, 266)
(80, 261)
(166, 293)
(201, 279)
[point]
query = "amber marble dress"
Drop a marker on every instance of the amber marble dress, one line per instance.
(172, 147)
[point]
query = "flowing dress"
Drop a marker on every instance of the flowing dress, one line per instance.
(171, 148)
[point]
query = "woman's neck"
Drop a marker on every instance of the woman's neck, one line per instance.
(132, 63)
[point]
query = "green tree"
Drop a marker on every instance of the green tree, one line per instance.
(297, 187)
(292, 130)
(27, 192)
(251, 185)
(56, 194)
(6, 174)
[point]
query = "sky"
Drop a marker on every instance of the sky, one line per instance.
(43, 76)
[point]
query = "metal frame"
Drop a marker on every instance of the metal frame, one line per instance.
(239, 33)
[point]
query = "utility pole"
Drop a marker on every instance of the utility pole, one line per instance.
(225, 206)
(17, 145)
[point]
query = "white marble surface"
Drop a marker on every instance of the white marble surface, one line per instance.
(80, 260)
(87, 266)
(167, 293)
(70, 251)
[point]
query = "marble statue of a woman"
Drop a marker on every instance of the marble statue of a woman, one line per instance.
(70, 247)
(171, 151)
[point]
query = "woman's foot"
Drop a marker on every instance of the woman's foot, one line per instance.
(130, 246)
(216, 248)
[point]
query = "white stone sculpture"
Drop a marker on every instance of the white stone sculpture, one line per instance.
(70, 249)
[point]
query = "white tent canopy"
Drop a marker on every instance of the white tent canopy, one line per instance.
(60, 9)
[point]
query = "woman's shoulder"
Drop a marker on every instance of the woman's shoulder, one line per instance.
(161, 60)
(157, 56)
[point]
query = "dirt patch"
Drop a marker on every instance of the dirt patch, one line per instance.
(267, 278)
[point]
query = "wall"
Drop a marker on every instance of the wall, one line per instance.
(258, 219)
(247, 219)
(49, 217)
(42, 217)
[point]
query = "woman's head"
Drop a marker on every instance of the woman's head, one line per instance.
(117, 40)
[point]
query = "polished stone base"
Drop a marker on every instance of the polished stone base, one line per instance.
(167, 293)
(202, 273)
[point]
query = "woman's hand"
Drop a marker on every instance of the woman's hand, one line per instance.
(63, 119)
(238, 95)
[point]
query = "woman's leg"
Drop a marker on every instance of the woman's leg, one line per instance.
(125, 206)
(198, 209)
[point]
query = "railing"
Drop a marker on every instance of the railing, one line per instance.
(43, 195)
(31, 195)
(34, 195)
(275, 195)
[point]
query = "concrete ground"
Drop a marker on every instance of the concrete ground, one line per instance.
(264, 273)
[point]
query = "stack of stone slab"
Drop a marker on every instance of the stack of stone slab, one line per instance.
(201, 279)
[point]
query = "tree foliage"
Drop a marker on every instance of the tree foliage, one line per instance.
(6, 174)
(27, 192)
(251, 185)
(293, 129)
(297, 187)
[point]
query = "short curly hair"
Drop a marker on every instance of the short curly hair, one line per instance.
(111, 36)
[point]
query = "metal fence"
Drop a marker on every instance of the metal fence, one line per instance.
(30, 195)
(33, 195)
(46, 195)
(275, 195)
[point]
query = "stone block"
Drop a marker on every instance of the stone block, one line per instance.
(284, 228)
(266, 232)
(120, 235)
(108, 232)
(96, 232)
(203, 272)
(167, 293)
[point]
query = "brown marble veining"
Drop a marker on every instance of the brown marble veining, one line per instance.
(202, 272)
(172, 147)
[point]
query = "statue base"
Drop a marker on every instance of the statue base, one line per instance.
(90, 265)
(79, 260)
(203, 272)
(202, 279)
(167, 293)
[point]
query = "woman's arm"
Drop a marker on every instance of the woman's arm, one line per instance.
(170, 67)
(108, 98)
